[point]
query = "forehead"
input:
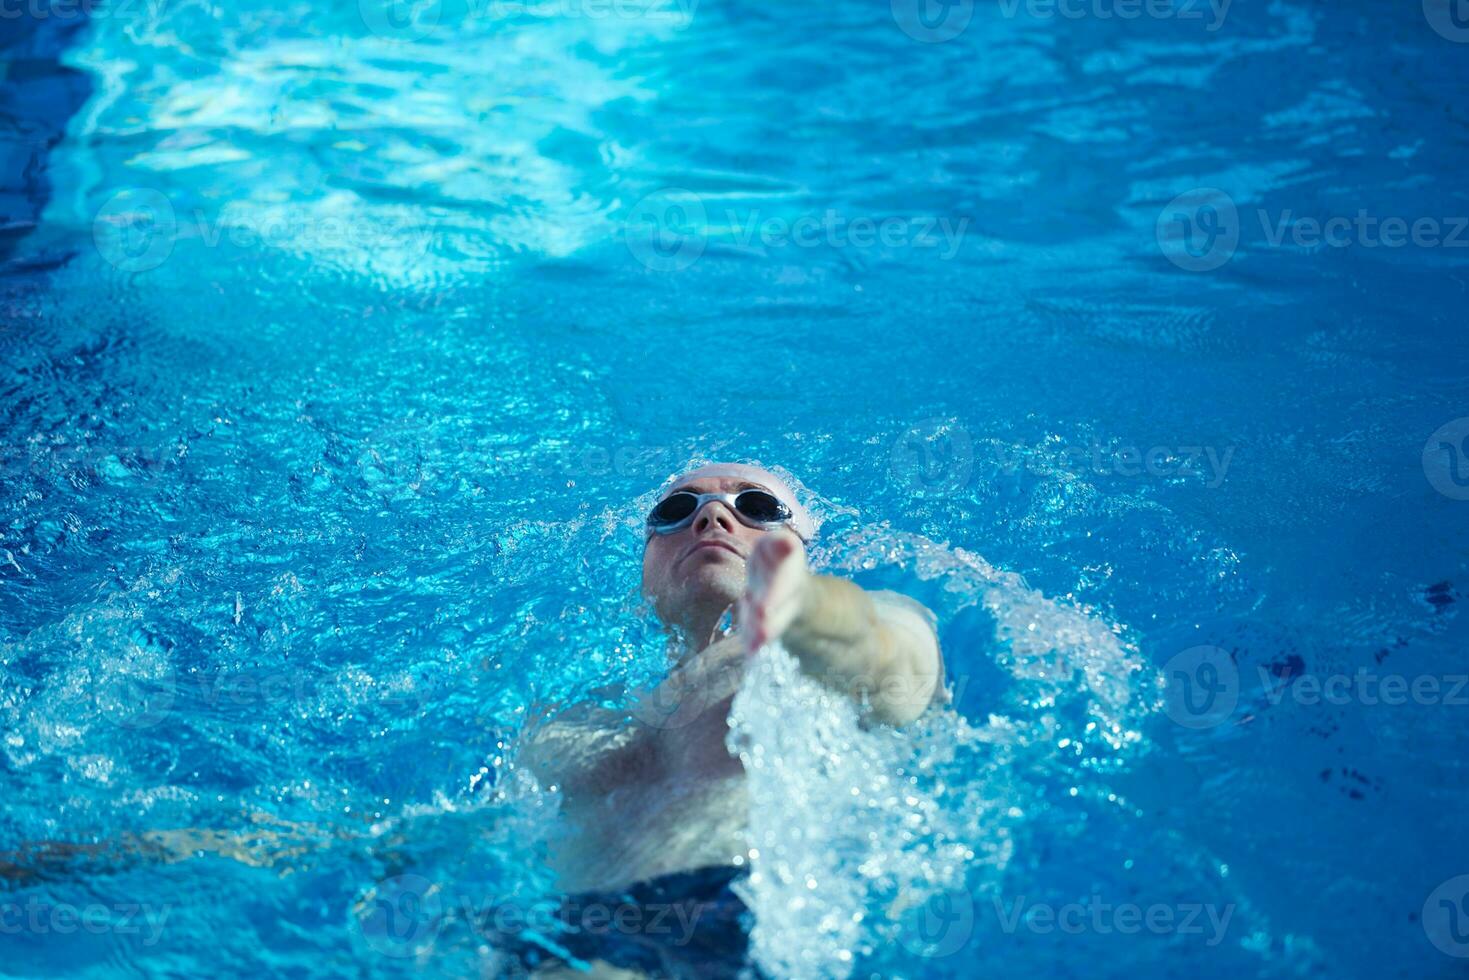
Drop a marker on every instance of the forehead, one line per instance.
(715, 484)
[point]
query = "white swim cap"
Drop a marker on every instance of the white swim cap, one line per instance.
(801, 521)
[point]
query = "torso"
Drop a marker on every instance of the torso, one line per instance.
(668, 795)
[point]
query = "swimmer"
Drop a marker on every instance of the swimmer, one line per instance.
(662, 795)
(655, 807)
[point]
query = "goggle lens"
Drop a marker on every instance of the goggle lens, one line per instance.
(753, 506)
(762, 507)
(673, 509)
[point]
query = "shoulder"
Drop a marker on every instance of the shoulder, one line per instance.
(902, 609)
(907, 615)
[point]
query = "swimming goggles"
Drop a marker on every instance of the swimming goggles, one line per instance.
(754, 508)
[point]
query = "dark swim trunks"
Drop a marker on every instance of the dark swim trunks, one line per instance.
(690, 924)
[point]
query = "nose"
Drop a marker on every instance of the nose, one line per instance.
(714, 516)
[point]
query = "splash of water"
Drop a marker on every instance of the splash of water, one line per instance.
(837, 826)
(853, 829)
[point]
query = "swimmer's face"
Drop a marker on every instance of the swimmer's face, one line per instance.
(702, 565)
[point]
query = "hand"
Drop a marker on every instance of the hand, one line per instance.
(775, 587)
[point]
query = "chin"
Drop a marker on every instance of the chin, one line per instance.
(719, 582)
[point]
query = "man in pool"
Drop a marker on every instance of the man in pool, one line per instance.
(656, 807)
(660, 801)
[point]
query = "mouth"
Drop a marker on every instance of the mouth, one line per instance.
(705, 545)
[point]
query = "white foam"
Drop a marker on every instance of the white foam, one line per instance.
(852, 827)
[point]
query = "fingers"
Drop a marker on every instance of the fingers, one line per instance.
(767, 560)
(772, 589)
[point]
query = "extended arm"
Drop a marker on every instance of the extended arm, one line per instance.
(269, 842)
(877, 646)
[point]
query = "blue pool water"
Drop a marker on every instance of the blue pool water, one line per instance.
(341, 345)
